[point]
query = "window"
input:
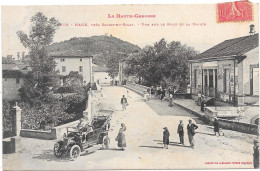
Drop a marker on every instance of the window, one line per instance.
(210, 78)
(80, 68)
(195, 78)
(5, 79)
(63, 69)
(62, 60)
(80, 59)
(17, 80)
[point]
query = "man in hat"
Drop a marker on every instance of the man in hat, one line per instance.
(180, 131)
(166, 136)
(216, 126)
(191, 132)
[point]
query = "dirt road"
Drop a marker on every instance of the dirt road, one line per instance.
(144, 122)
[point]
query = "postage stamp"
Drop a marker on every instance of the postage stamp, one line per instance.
(237, 11)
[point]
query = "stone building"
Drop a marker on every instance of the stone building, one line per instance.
(67, 61)
(12, 80)
(228, 71)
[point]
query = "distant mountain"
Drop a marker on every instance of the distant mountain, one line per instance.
(102, 47)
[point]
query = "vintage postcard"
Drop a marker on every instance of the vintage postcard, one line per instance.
(172, 86)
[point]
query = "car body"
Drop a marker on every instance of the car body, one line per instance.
(78, 140)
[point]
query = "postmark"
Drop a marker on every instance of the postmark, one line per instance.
(237, 11)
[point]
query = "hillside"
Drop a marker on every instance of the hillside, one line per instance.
(103, 47)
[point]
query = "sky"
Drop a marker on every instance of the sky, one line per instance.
(200, 28)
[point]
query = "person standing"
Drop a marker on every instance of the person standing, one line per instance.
(128, 94)
(166, 136)
(191, 132)
(181, 132)
(216, 126)
(162, 94)
(149, 91)
(170, 100)
(123, 102)
(256, 154)
(121, 140)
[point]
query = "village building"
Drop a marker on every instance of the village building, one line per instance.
(78, 61)
(101, 75)
(228, 72)
(121, 75)
(13, 78)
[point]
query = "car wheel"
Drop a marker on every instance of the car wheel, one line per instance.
(57, 152)
(105, 142)
(74, 152)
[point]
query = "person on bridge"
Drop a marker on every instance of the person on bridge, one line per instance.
(121, 137)
(166, 136)
(123, 102)
(191, 132)
(180, 131)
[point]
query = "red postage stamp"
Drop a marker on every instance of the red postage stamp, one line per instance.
(234, 11)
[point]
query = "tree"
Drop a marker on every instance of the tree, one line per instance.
(113, 63)
(163, 63)
(43, 76)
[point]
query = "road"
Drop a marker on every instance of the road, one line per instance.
(144, 122)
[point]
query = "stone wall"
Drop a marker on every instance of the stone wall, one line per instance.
(211, 112)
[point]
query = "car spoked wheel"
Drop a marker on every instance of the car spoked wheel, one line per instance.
(57, 151)
(75, 152)
(105, 142)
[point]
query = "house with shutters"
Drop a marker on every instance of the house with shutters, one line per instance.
(228, 72)
(73, 60)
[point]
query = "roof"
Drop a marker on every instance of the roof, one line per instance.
(12, 74)
(8, 66)
(70, 53)
(100, 69)
(232, 47)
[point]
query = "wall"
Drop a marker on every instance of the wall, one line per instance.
(45, 135)
(251, 59)
(10, 88)
(198, 89)
(73, 63)
(54, 133)
(229, 124)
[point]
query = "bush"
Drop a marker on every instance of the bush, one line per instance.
(7, 117)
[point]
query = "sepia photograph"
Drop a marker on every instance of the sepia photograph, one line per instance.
(141, 86)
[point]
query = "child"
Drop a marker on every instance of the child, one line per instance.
(166, 136)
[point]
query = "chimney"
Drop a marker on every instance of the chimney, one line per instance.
(252, 29)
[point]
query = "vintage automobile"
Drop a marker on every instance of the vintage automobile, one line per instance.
(78, 140)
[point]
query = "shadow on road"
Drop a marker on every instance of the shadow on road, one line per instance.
(49, 156)
(151, 146)
(172, 143)
(162, 108)
(205, 133)
(115, 149)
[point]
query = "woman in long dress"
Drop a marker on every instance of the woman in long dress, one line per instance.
(121, 137)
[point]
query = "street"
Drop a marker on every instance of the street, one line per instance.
(144, 122)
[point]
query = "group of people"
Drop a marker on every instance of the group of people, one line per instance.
(191, 127)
